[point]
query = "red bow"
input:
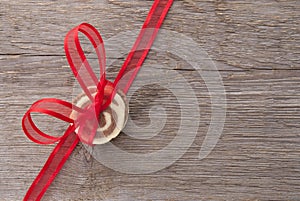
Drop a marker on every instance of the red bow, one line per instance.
(87, 80)
(87, 120)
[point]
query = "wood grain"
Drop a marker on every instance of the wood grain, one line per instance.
(256, 48)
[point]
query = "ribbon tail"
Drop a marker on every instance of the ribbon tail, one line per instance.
(143, 44)
(53, 165)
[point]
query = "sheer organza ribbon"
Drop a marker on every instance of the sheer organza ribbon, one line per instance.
(87, 120)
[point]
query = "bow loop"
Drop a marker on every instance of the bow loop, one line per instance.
(77, 59)
(53, 107)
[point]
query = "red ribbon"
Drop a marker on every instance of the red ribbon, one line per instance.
(87, 121)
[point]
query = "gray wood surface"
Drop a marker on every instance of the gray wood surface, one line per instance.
(256, 48)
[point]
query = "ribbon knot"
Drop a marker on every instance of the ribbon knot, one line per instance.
(87, 122)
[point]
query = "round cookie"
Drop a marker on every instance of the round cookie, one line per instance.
(112, 120)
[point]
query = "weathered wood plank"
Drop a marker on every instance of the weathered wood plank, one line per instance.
(255, 46)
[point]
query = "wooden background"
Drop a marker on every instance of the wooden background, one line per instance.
(256, 48)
